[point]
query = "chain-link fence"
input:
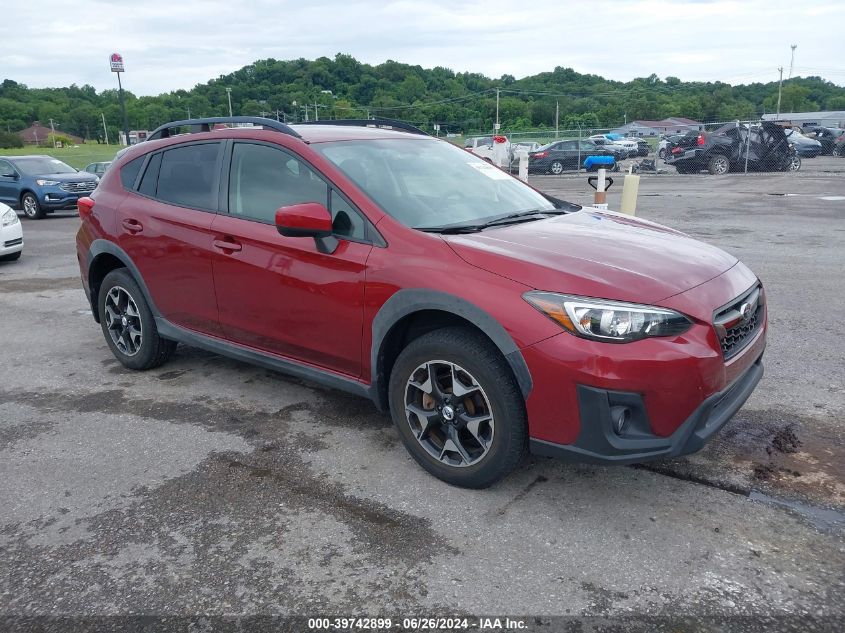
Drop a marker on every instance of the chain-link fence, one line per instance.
(687, 147)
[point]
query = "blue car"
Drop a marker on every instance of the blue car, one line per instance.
(42, 184)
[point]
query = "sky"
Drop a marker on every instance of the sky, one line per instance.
(176, 44)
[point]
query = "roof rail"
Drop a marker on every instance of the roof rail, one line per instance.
(205, 125)
(377, 122)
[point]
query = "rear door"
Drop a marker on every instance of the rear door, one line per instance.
(282, 294)
(165, 227)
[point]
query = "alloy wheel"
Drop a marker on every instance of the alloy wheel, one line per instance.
(30, 206)
(556, 168)
(448, 413)
(794, 163)
(123, 321)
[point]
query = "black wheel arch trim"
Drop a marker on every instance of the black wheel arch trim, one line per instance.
(101, 247)
(408, 301)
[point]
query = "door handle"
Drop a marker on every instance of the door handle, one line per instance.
(225, 245)
(133, 226)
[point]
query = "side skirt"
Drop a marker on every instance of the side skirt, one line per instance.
(248, 355)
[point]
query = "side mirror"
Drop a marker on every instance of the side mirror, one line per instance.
(308, 219)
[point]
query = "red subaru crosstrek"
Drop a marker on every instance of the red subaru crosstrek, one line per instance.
(486, 317)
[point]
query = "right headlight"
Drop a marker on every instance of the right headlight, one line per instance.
(9, 217)
(605, 320)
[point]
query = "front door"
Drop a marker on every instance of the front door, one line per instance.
(281, 294)
(8, 184)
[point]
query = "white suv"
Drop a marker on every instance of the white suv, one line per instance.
(11, 234)
(483, 146)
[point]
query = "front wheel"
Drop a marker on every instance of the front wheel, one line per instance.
(457, 407)
(794, 163)
(128, 324)
(31, 207)
(556, 168)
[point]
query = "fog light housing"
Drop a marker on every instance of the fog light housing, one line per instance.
(621, 418)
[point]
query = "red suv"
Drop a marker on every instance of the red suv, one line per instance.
(486, 317)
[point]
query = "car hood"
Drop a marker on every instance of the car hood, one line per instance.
(77, 177)
(595, 253)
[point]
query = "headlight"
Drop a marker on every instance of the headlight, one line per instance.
(604, 320)
(8, 218)
(46, 183)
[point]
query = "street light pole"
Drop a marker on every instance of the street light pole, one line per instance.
(792, 59)
(229, 95)
(780, 85)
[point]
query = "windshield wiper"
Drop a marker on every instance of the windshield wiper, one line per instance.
(511, 218)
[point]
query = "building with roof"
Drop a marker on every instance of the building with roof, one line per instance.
(671, 125)
(37, 134)
(825, 118)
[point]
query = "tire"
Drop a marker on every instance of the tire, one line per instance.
(718, 165)
(662, 153)
(794, 163)
(478, 459)
(11, 257)
(31, 207)
(556, 168)
(839, 150)
(143, 348)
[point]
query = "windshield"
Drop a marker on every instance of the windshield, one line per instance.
(41, 165)
(428, 184)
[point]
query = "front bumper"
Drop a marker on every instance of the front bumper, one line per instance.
(54, 198)
(11, 239)
(598, 442)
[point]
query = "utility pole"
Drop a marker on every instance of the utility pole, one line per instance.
(105, 129)
(497, 110)
(792, 60)
(316, 114)
(557, 118)
(229, 95)
(53, 129)
(780, 85)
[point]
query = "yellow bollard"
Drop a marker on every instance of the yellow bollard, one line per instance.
(630, 188)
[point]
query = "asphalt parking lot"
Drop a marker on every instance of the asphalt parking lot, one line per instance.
(210, 486)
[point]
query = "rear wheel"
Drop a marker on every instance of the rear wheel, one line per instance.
(128, 324)
(31, 207)
(662, 152)
(718, 165)
(794, 163)
(457, 407)
(556, 168)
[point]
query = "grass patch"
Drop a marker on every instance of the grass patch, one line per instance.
(78, 156)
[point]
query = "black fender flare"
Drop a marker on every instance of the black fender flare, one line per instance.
(99, 247)
(407, 301)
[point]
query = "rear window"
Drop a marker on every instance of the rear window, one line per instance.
(187, 176)
(129, 172)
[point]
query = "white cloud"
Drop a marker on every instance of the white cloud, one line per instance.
(171, 44)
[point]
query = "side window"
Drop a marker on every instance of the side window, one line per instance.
(346, 221)
(569, 145)
(150, 178)
(187, 176)
(129, 172)
(263, 178)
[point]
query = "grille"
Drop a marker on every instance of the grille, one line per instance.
(77, 187)
(9, 243)
(736, 329)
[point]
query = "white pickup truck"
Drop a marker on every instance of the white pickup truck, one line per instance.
(483, 146)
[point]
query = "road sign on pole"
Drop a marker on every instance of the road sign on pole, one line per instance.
(116, 62)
